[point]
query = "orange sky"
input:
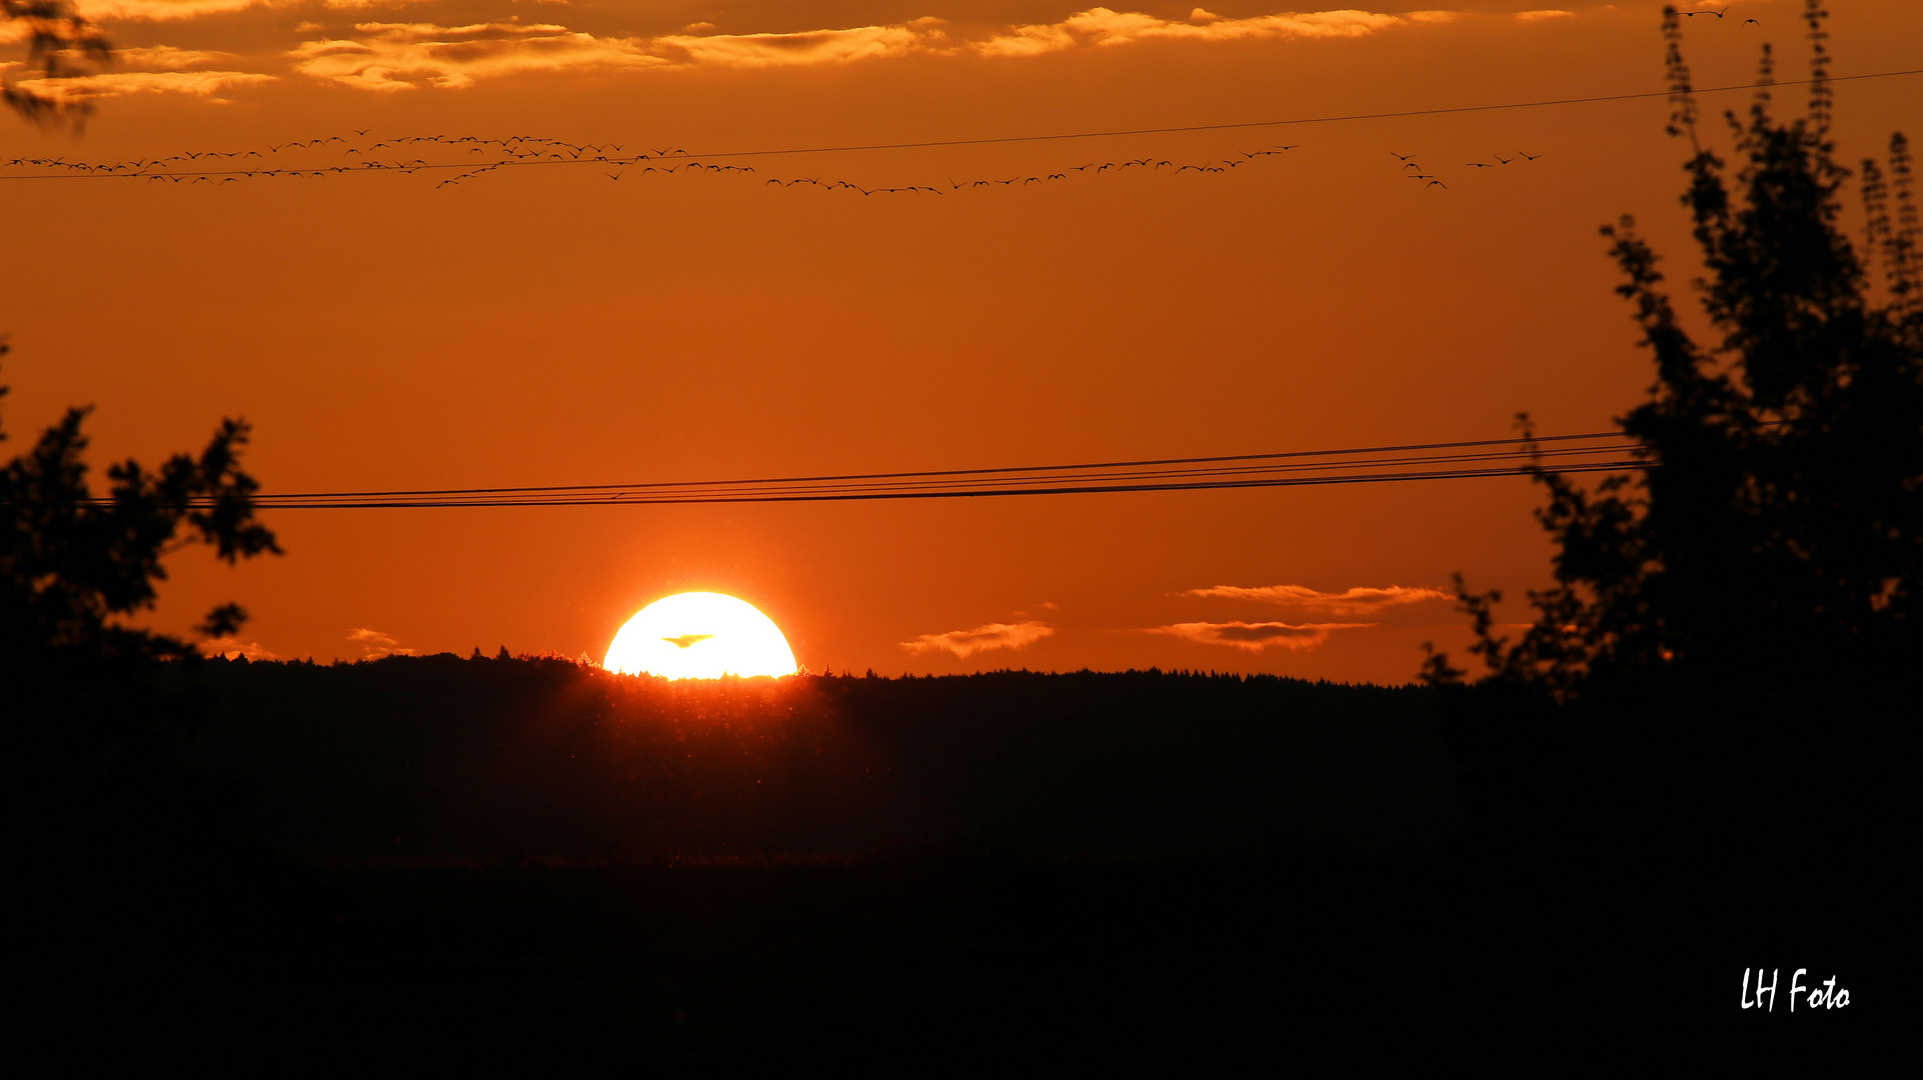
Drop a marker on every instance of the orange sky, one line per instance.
(549, 325)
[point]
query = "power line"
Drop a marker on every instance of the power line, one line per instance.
(1344, 118)
(1090, 489)
(1002, 469)
(104, 173)
(1463, 459)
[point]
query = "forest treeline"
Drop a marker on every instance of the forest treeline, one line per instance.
(529, 759)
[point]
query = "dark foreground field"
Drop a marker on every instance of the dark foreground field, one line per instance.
(437, 863)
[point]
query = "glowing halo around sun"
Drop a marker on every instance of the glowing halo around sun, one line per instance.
(700, 635)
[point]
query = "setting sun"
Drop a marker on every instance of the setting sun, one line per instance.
(700, 635)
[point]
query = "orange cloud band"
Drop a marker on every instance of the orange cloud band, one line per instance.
(1356, 601)
(385, 57)
(982, 638)
(1256, 637)
(395, 56)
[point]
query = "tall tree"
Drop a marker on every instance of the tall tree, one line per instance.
(1773, 538)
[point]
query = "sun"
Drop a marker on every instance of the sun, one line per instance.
(700, 635)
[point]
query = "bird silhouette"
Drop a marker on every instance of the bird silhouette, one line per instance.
(1752, 22)
(1479, 165)
(1400, 157)
(522, 149)
(686, 640)
(1531, 157)
(1692, 14)
(1501, 159)
(1436, 183)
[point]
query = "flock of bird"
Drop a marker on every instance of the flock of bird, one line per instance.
(520, 149)
(1092, 168)
(397, 155)
(524, 150)
(1718, 14)
(1420, 174)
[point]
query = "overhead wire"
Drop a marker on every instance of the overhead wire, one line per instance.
(1463, 459)
(1076, 466)
(1338, 119)
(1082, 478)
(79, 170)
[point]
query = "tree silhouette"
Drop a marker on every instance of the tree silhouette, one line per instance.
(1773, 539)
(61, 44)
(98, 808)
(73, 566)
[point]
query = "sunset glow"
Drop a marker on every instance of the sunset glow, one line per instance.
(358, 196)
(700, 635)
(1222, 464)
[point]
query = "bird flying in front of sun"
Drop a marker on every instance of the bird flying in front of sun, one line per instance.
(700, 635)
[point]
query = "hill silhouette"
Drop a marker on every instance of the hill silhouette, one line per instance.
(543, 759)
(472, 861)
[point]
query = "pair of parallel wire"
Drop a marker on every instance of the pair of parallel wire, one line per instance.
(1605, 451)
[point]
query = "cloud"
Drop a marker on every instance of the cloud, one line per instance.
(390, 56)
(202, 84)
(808, 47)
(1540, 16)
(1256, 637)
(1100, 26)
(398, 56)
(1356, 601)
(982, 638)
(232, 647)
(164, 58)
(375, 644)
(162, 10)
